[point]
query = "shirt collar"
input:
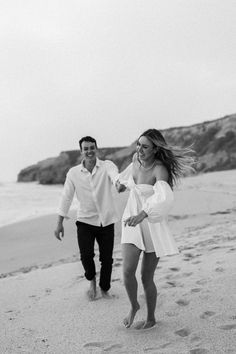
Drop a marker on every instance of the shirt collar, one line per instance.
(98, 164)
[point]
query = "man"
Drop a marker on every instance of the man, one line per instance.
(92, 182)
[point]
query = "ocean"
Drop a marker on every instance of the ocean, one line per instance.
(21, 201)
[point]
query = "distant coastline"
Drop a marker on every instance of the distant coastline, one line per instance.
(213, 141)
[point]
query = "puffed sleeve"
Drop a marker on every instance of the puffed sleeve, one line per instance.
(159, 204)
(125, 175)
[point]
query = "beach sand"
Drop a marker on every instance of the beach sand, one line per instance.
(44, 308)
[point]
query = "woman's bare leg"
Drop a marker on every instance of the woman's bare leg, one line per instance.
(149, 264)
(130, 255)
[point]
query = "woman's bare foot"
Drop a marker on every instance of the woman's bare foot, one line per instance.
(149, 324)
(92, 292)
(145, 324)
(128, 320)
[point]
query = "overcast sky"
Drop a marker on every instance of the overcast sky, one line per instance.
(109, 69)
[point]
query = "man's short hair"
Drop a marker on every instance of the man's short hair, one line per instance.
(89, 139)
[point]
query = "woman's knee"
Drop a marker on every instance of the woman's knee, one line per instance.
(128, 272)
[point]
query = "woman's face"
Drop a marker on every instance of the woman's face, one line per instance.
(145, 149)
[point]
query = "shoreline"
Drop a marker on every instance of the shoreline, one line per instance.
(23, 245)
(30, 244)
(67, 251)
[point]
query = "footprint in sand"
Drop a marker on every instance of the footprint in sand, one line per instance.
(228, 327)
(175, 269)
(196, 290)
(214, 248)
(187, 274)
(219, 269)
(173, 284)
(106, 346)
(195, 339)
(189, 255)
(182, 302)
(199, 351)
(155, 349)
(201, 282)
(183, 332)
(207, 314)
(196, 262)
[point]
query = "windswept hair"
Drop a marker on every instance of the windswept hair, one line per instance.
(88, 139)
(177, 160)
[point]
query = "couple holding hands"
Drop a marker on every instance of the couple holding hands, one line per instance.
(155, 168)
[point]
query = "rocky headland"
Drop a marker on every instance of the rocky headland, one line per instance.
(213, 141)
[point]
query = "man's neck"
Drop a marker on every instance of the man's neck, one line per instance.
(89, 164)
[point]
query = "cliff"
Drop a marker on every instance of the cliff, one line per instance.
(214, 142)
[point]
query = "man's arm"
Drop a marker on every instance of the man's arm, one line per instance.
(65, 203)
(113, 173)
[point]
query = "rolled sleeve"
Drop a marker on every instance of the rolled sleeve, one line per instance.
(112, 171)
(67, 197)
(125, 175)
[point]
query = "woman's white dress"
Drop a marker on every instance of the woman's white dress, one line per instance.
(153, 233)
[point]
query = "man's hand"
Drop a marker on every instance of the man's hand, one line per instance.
(59, 232)
(120, 187)
(135, 220)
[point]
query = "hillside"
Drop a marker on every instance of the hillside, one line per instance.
(214, 142)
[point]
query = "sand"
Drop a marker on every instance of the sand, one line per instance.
(44, 308)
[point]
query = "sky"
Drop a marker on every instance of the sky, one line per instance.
(110, 69)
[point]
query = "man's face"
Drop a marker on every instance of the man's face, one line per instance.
(88, 151)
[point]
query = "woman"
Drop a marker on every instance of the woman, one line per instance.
(150, 178)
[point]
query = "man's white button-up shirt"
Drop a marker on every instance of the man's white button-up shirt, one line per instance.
(94, 191)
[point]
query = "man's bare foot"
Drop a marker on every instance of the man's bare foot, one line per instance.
(128, 320)
(106, 295)
(92, 292)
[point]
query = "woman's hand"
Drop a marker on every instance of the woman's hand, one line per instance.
(135, 220)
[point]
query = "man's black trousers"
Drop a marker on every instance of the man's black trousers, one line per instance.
(87, 234)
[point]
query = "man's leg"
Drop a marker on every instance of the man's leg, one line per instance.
(105, 240)
(86, 240)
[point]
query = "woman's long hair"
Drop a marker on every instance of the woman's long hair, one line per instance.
(178, 161)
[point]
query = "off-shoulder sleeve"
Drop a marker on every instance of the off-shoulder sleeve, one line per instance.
(125, 175)
(159, 204)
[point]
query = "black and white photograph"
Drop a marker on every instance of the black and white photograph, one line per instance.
(118, 177)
